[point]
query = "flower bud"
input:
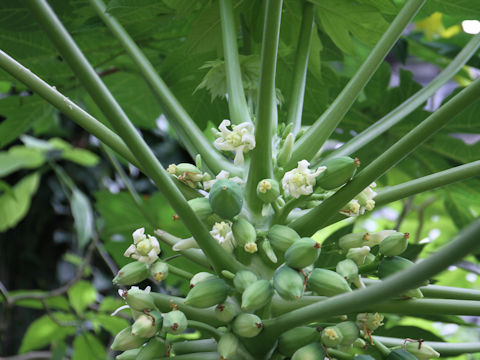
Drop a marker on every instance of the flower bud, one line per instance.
(227, 346)
(339, 171)
(126, 341)
(257, 295)
(349, 331)
(331, 336)
(174, 322)
(421, 351)
(288, 282)
(285, 153)
(243, 279)
(369, 321)
(159, 270)
(201, 207)
(376, 238)
(185, 244)
(226, 198)
(139, 300)
(247, 325)
(302, 253)
(281, 237)
(146, 325)
(268, 251)
(394, 244)
(226, 311)
(199, 277)
(358, 254)
(128, 355)
(310, 351)
(245, 234)
(348, 269)
(291, 340)
(186, 173)
(131, 274)
(327, 283)
(370, 258)
(399, 354)
(154, 349)
(268, 190)
(349, 241)
(207, 293)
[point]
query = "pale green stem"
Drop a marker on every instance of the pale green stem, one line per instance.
(185, 347)
(409, 105)
(219, 258)
(266, 121)
(444, 348)
(295, 105)
(339, 354)
(320, 131)
(183, 124)
(385, 351)
(172, 269)
(321, 215)
(237, 103)
(198, 325)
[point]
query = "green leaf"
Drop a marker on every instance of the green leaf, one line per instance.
(458, 210)
(81, 295)
(467, 9)
(80, 156)
(14, 206)
(83, 216)
(54, 302)
(412, 332)
(87, 346)
(110, 323)
(19, 157)
(44, 331)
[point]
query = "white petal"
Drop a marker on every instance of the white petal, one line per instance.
(130, 250)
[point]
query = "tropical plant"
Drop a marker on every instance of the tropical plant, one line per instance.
(273, 264)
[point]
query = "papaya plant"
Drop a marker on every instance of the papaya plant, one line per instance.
(268, 201)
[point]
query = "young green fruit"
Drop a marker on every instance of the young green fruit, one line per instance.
(131, 274)
(339, 171)
(268, 190)
(349, 331)
(243, 279)
(349, 241)
(288, 282)
(348, 269)
(421, 351)
(313, 351)
(245, 234)
(227, 346)
(159, 270)
(226, 198)
(201, 207)
(327, 283)
(400, 354)
(302, 253)
(394, 244)
(390, 266)
(146, 325)
(281, 237)
(247, 325)
(174, 322)
(257, 295)
(331, 336)
(128, 355)
(126, 341)
(199, 277)
(291, 340)
(207, 293)
(226, 311)
(154, 349)
(139, 300)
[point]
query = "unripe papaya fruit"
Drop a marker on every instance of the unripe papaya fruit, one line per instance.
(257, 295)
(348, 269)
(207, 293)
(126, 341)
(243, 279)
(174, 322)
(199, 277)
(392, 265)
(159, 270)
(350, 241)
(291, 340)
(331, 336)
(155, 348)
(243, 232)
(394, 244)
(349, 331)
(226, 198)
(128, 355)
(247, 325)
(226, 311)
(131, 274)
(146, 325)
(302, 253)
(227, 346)
(327, 283)
(139, 300)
(339, 171)
(288, 282)
(313, 351)
(268, 190)
(201, 207)
(281, 237)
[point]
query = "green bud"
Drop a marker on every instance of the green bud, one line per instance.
(281, 237)
(154, 349)
(331, 336)
(339, 171)
(207, 293)
(201, 207)
(268, 251)
(349, 331)
(226, 198)
(421, 351)
(285, 153)
(288, 282)
(185, 244)
(174, 322)
(126, 341)
(243, 279)
(399, 354)
(268, 190)
(311, 351)
(327, 283)
(302, 253)
(159, 270)
(349, 241)
(187, 173)
(225, 312)
(291, 340)
(369, 321)
(247, 325)
(414, 294)
(257, 295)
(131, 274)
(146, 325)
(390, 266)
(199, 277)
(244, 232)
(348, 269)
(227, 346)
(128, 355)
(376, 238)
(394, 244)
(360, 344)
(139, 300)
(358, 254)
(370, 258)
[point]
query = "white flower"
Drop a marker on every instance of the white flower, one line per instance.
(361, 203)
(222, 232)
(144, 248)
(240, 139)
(300, 181)
(222, 175)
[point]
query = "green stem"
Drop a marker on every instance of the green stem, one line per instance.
(463, 244)
(444, 348)
(191, 135)
(219, 258)
(320, 131)
(320, 215)
(204, 327)
(172, 269)
(237, 103)
(339, 354)
(429, 182)
(185, 347)
(385, 351)
(261, 158)
(301, 65)
(409, 105)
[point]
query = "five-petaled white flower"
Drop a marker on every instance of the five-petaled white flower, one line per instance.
(222, 232)
(300, 181)
(362, 202)
(240, 139)
(145, 248)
